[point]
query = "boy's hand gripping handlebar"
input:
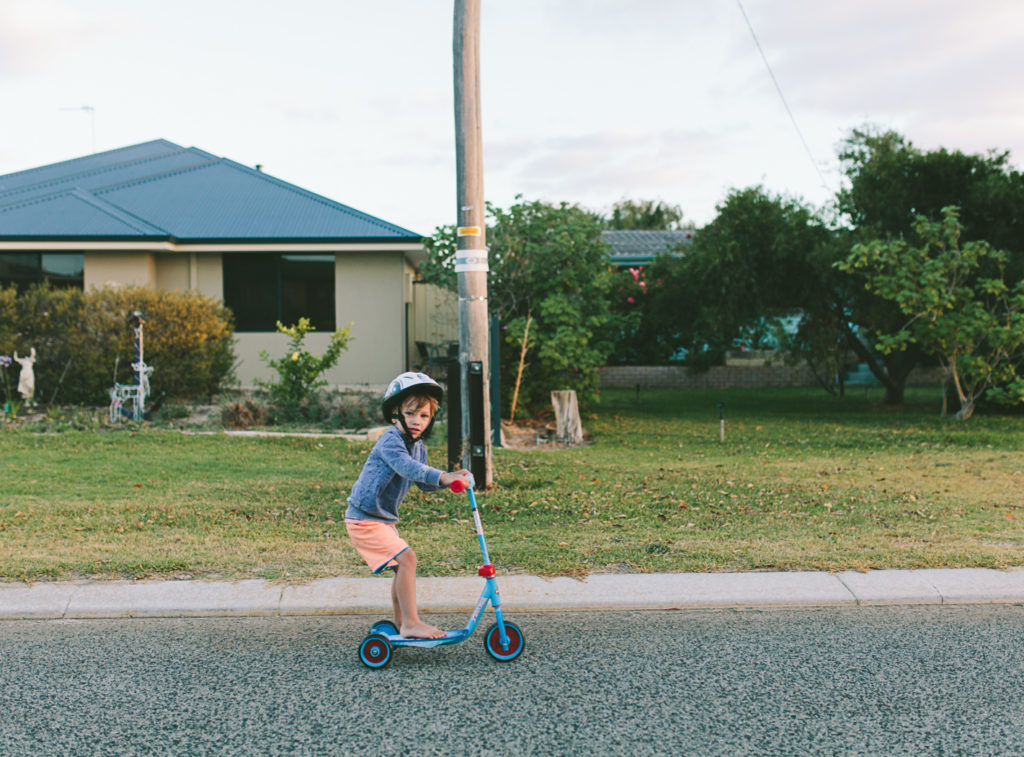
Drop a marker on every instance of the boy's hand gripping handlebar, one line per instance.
(460, 485)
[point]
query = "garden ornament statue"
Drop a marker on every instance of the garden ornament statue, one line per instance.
(27, 379)
(129, 400)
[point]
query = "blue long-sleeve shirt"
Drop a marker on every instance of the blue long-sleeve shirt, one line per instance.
(388, 474)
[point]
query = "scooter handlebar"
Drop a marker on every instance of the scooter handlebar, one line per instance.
(460, 485)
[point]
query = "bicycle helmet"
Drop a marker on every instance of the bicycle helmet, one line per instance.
(403, 387)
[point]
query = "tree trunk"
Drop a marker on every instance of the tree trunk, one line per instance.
(519, 373)
(966, 410)
(891, 370)
(568, 428)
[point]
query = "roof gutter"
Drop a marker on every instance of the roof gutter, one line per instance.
(414, 250)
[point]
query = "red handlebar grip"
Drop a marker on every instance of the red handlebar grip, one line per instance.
(458, 486)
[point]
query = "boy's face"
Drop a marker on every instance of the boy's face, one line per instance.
(417, 418)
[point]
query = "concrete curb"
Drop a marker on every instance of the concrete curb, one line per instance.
(156, 599)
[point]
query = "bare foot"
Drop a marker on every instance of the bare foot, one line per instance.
(421, 630)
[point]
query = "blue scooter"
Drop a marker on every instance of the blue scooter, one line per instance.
(503, 640)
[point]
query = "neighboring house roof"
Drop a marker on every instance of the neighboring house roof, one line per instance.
(638, 247)
(160, 190)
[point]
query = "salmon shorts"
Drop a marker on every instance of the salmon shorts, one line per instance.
(378, 543)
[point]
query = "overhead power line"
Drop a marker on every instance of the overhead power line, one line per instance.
(782, 97)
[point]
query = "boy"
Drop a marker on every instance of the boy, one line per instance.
(398, 460)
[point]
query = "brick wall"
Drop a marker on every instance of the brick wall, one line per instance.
(718, 377)
(724, 376)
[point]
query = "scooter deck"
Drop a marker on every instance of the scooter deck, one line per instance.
(450, 637)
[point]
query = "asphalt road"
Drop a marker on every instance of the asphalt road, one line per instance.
(885, 681)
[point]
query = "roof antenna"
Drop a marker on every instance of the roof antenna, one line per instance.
(92, 111)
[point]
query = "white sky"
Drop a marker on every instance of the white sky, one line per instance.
(587, 101)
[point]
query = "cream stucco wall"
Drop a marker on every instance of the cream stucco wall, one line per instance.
(162, 270)
(103, 268)
(369, 290)
(190, 270)
(172, 272)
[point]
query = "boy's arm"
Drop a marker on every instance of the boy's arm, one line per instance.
(395, 454)
(445, 481)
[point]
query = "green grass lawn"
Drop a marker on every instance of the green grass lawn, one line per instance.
(802, 481)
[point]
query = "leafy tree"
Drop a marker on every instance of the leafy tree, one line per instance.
(645, 214)
(974, 324)
(546, 262)
(764, 257)
(757, 259)
(891, 182)
(762, 261)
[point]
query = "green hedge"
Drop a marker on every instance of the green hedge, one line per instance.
(80, 336)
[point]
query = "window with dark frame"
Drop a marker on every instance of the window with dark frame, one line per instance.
(262, 288)
(60, 269)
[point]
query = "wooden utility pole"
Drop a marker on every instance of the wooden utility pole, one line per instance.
(471, 249)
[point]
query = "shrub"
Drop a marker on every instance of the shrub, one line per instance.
(188, 338)
(299, 371)
(351, 409)
(80, 337)
(244, 413)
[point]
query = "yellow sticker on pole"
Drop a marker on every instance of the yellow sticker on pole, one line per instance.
(468, 231)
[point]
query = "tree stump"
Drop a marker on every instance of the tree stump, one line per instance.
(568, 428)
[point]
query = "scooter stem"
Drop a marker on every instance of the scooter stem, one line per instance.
(479, 528)
(460, 485)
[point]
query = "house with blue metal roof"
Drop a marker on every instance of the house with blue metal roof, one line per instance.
(641, 246)
(170, 217)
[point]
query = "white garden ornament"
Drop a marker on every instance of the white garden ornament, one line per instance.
(27, 379)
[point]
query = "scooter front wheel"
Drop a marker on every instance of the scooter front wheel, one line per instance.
(375, 651)
(516, 642)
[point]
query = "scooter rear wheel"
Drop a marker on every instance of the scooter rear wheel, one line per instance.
(516, 642)
(375, 651)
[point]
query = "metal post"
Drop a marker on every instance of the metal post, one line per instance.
(454, 420)
(477, 434)
(141, 379)
(495, 388)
